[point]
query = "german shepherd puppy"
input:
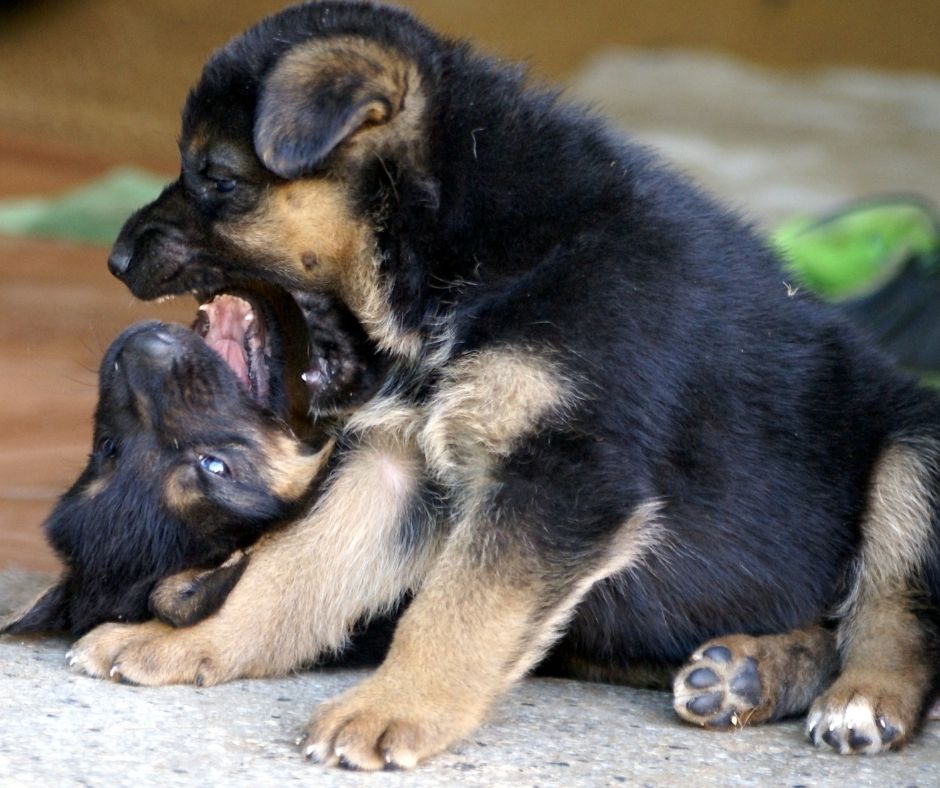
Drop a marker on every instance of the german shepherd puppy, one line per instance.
(608, 423)
(188, 465)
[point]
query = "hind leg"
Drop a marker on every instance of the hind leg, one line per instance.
(887, 669)
(743, 680)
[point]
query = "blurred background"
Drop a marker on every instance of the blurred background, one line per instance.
(786, 108)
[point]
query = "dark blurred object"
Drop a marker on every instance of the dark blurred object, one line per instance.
(878, 259)
(904, 314)
(11, 7)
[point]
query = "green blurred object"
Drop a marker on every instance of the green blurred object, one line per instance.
(858, 248)
(92, 213)
(879, 262)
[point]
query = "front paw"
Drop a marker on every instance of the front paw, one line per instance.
(864, 717)
(374, 726)
(149, 654)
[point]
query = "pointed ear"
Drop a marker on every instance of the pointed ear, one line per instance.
(321, 94)
(47, 613)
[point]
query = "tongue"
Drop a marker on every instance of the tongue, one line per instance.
(233, 355)
(229, 317)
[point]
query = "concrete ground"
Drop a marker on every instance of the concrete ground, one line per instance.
(63, 729)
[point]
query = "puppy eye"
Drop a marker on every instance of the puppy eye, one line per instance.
(214, 465)
(106, 448)
(225, 185)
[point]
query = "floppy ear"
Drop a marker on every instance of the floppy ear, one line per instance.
(47, 613)
(322, 93)
(192, 595)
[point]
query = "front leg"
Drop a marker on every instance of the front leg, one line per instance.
(886, 639)
(300, 593)
(478, 624)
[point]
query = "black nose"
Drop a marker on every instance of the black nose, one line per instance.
(119, 261)
(151, 340)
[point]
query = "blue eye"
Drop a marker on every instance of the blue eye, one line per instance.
(213, 465)
(225, 185)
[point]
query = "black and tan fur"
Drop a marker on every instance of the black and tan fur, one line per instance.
(609, 425)
(147, 504)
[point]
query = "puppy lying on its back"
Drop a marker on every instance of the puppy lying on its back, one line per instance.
(188, 465)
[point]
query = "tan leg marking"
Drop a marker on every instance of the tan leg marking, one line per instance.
(471, 631)
(876, 702)
(741, 680)
(302, 590)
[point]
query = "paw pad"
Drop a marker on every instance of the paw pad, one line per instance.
(717, 689)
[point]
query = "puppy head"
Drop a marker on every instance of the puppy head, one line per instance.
(296, 142)
(187, 465)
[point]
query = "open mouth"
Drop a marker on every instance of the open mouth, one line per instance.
(235, 328)
(296, 354)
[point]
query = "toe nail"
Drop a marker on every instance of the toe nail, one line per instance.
(299, 741)
(703, 705)
(725, 720)
(391, 765)
(345, 763)
(888, 731)
(700, 678)
(311, 754)
(717, 653)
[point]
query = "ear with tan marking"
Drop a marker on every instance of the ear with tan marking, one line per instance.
(188, 597)
(47, 613)
(321, 94)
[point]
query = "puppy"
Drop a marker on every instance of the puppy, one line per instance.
(608, 424)
(194, 457)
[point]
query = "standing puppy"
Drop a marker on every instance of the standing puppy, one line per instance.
(607, 419)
